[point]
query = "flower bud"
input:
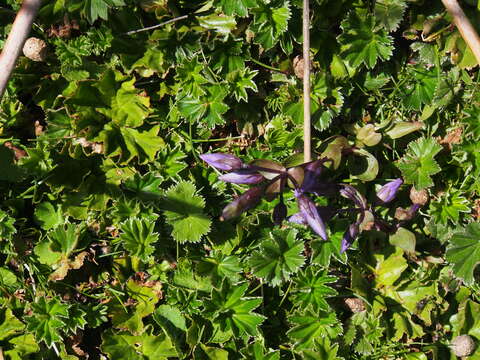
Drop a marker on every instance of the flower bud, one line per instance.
(388, 191)
(222, 161)
(349, 237)
(244, 202)
(310, 213)
(279, 213)
(242, 176)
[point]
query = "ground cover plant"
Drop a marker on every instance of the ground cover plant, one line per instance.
(155, 202)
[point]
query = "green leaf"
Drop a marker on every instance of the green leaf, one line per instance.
(366, 170)
(220, 23)
(208, 109)
(184, 212)
(47, 320)
(220, 266)
(280, 256)
(240, 81)
(310, 325)
(404, 239)
(418, 164)
(129, 143)
(146, 187)
(230, 309)
(449, 205)
(419, 88)
(361, 43)
(130, 347)
(48, 216)
(214, 353)
(7, 228)
(137, 236)
(311, 289)
(464, 252)
(94, 9)
(389, 13)
(129, 107)
(388, 270)
(9, 324)
(236, 7)
(23, 345)
(189, 74)
(270, 21)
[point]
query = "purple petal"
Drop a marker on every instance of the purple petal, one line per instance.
(310, 213)
(244, 176)
(388, 191)
(313, 171)
(222, 161)
(244, 202)
(279, 213)
(351, 193)
(349, 237)
(298, 218)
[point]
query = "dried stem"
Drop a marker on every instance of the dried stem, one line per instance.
(464, 26)
(307, 124)
(158, 25)
(16, 38)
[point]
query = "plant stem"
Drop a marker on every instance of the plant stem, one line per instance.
(16, 38)
(158, 25)
(265, 65)
(307, 123)
(464, 26)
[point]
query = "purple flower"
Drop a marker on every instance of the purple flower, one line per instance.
(388, 191)
(244, 202)
(222, 161)
(349, 236)
(310, 213)
(242, 176)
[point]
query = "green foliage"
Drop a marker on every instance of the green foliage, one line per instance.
(418, 165)
(232, 311)
(137, 236)
(47, 320)
(279, 257)
(464, 252)
(111, 240)
(362, 43)
(311, 289)
(184, 212)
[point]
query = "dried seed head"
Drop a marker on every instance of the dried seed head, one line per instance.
(355, 304)
(463, 345)
(419, 197)
(35, 49)
(298, 66)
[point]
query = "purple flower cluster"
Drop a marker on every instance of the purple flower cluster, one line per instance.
(271, 179)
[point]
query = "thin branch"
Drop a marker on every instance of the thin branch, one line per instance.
(16, 38)
(464, 26)
(157, 26)
(307, 123)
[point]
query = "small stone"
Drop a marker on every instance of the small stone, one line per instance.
(35, 49)
(355, 304)
(463, 345)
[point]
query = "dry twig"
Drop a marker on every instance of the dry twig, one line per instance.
(307, 125)
(16, 38)
(464, 26)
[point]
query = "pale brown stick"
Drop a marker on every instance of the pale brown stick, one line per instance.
(464, 26)
(16, 38)
(307, 123)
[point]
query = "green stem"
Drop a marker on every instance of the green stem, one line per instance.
(265, 65)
